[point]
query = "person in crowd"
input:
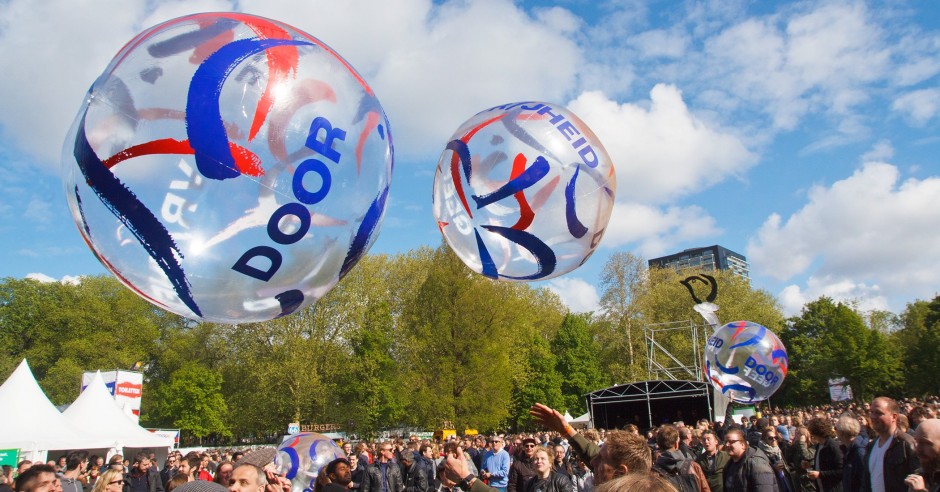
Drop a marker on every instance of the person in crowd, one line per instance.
(546, 479)
(73, 478)
(927, 438)
(582, 477)
(142, 477)
(622, 452)
(170, 469)
(110, 481)
(685, 442)
(852, 444)
(917, 415)
(890, 453)
(39, 478)
(683, 472)
(223, 473)
(347, 449)
(248, 478)
(384, 475)
(338, 471)
(826, 471)
(799, 456)
(190, 464)
(496, 464)
(560, 462)
(116, 462)
(425, 459)
(713, 461)
(22, 466)
(202, 470)
(522, 467)
(416, 476)
(748, 469)
(356, 471)
(775, 449)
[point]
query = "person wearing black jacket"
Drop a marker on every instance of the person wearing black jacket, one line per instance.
(853, 452)
(384, 475)
(749, 469)
(522, 467)
(142, 477)
(827, 464)
(416, 476)
(891, 451)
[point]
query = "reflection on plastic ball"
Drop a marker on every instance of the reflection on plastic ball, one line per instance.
(300, 457)
(746, 361)
(524, 191)
(228, 168)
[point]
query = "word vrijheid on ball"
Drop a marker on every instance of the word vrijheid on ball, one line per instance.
(745, 361)
(524, 192)
(300, 457)
(228, 168)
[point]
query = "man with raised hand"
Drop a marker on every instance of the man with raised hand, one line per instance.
(621, 453)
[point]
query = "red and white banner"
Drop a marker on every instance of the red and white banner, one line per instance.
(125, 386)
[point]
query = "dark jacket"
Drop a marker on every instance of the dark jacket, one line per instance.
(795, 455)
(556, 482)
(417, 479)
(714, 469)
(853, 464)
(372, 479)
(670, 463)
(521, 470)
(830, 465)
(751, 474)
(900, 460)
(154, 482)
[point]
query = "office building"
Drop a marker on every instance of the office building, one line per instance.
(707, 259)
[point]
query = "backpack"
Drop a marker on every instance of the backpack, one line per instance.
(684, 480)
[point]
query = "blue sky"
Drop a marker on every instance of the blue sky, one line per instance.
(803, 135)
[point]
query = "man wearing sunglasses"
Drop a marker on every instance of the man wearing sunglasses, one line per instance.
(522, 467)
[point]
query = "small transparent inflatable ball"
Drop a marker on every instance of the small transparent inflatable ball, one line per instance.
(300, 457)
(228, 168)
(524, 191)
(745, 361)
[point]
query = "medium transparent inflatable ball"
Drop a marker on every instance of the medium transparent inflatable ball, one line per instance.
(745, 361)
(524, 191)
(301, 456)
(228, 168)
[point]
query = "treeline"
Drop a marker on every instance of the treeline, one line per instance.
(416, 339)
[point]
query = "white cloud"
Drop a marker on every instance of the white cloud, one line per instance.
(882, 151)
(42, 277)
(661, 152)
(919, 106)
(657, 230)
(865, 297)
(868, 226)
(578, 295)
(801, 62)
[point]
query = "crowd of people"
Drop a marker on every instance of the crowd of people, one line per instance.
(882, 446)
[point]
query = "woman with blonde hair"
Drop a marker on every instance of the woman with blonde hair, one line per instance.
(110, 481)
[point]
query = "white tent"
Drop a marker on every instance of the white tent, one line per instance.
(31, 423)
(96, 409)
(581, 422)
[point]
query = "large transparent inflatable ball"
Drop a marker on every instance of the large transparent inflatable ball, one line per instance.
(228, 168)
(301, 456)
(745, 361)
(524, 191)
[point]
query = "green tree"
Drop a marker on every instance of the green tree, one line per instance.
(921, 339)
(535, 380)
(373, 394)
(578, 362)
(193, 400)
(620, 330)
(831, 340)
